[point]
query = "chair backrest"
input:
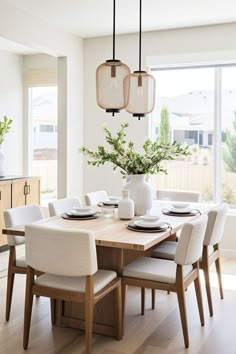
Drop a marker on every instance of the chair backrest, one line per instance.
(61, 252)
(95, 197)
(178, 195)
(60, 206)
(20, 216)
(190, 244)
(215, 224)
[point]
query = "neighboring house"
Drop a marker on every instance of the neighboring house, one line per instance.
(192, 115)
(45, 121)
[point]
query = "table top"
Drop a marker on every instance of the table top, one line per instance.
(113, 232)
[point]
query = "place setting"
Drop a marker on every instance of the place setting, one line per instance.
(149, 223)
(81, 213)
(181, 209)
(111, 201)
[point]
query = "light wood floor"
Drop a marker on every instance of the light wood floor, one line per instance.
(157, 332)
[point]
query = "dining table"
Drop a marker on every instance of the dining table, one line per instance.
(116, 245)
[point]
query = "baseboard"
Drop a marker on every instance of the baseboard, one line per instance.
(227, 253)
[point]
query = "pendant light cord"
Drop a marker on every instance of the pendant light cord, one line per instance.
(140, 31)
(114, 27)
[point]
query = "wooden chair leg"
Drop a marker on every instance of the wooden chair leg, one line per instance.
(218, 270)
(153, 299)
(183, 315)
(142, 301)
(123, 293)
(53, 308)
(199, 299)
(10, 284)
(181, 300)
(89, 315)
(119, 321)
(37, 296)
(28, 306)
(208, 289)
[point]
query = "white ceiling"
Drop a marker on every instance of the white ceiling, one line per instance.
(13, 47)
(92, 18)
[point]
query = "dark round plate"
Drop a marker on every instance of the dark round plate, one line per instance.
(76, 217)
(133, 227)
(100, 204)
(194, 212)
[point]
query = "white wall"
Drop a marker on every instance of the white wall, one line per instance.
(11, 104)
(182, 46)
(21, 27)
(39, 62)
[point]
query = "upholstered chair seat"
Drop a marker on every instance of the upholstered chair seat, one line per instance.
(68, 259)
(16, 265)
(210, 252)
(101, 279)
(158, 270)
(172, 276)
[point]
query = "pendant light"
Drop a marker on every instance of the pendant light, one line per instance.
(139, 87)
(109, 80)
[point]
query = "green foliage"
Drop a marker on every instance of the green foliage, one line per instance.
(165, 135)
(5, 127)
(123, 155)
(229, 152)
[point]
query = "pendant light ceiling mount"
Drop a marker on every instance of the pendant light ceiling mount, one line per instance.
(109, 80)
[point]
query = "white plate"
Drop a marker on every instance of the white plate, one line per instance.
(83, 209)
(180, 210)
(83, 213)
(180, 205)
(148, 224)
(150, 217)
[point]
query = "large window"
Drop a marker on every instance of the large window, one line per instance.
(43, 119)
(228, 137)
(197, 106)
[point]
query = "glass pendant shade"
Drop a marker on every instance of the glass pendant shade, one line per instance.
(109, 85)
(139, 91)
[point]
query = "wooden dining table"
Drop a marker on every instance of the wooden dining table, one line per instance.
(116, 247)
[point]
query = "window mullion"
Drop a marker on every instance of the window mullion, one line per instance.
(217, 134)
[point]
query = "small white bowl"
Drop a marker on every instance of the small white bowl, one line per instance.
(180, 205)
(111, 197)
(83, 209)
(150, 218)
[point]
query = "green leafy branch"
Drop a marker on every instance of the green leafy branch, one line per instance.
(5, 127)
(123, 155)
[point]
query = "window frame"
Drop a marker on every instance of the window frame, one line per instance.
(217, 134)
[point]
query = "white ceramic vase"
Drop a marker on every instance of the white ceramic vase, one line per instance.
(2, 163)
(140, 192)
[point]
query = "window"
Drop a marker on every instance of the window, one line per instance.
(187, 95)
(43, 119)
(46, 128)
(193, 97)
(228, 137)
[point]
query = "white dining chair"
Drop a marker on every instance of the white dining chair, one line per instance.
(60, 206)
(94, 198)
(178, 195)
(210, 252)
(68, 260)
(147, 272)
(16, 265)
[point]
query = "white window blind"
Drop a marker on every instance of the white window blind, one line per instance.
(40, 78)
